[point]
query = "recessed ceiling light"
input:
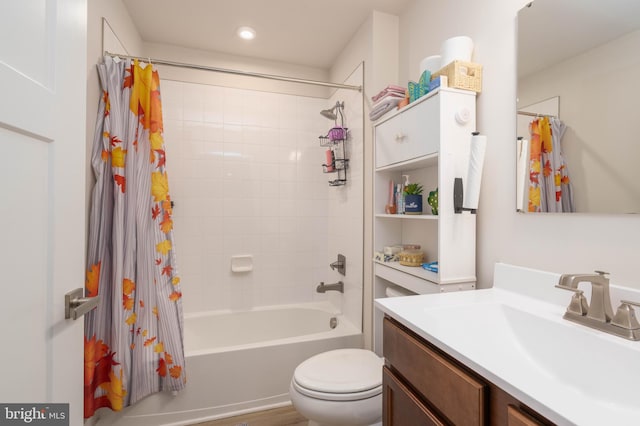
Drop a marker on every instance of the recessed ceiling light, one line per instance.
(246, 33)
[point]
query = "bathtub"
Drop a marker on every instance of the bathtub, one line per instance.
(239, 362)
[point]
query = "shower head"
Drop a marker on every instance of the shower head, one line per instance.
(330, 113)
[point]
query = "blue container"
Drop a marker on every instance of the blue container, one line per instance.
(412, 204)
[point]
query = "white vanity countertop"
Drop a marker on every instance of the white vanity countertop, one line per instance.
(514, 335)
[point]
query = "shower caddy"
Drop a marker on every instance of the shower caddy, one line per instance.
(335, 140)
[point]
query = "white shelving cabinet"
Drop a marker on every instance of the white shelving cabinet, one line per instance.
(429, 140)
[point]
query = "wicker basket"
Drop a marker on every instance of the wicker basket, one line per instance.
(462, 75)
(411, 257)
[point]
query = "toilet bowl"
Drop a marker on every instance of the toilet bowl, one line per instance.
(340, 387)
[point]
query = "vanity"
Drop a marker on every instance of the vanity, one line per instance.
(505, 356)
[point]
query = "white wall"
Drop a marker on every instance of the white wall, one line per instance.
(120, 24)
(233, 62)
(599, 105)
(245, 175)
(557, 243)
(305, 224)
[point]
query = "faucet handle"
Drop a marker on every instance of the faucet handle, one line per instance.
(578, 304)
(625, 316)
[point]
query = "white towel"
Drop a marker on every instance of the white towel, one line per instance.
(383, 107)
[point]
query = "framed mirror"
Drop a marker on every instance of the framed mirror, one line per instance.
(578, 73)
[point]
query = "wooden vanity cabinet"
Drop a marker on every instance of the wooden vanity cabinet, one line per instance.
(424, 386)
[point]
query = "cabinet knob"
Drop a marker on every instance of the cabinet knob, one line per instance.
(463, 115)
(400, 136)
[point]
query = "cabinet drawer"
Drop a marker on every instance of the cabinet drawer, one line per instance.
(412, 134)
(400, 407)
(460, 397)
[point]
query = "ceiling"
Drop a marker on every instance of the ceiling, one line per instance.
(303, 32)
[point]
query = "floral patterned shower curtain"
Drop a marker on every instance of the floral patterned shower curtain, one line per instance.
(549, 184)
(134, 338)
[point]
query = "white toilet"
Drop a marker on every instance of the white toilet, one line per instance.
(342, 387)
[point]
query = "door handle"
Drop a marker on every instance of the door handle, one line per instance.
(75, 305)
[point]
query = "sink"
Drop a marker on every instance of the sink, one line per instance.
(578, 361)
(513, 335)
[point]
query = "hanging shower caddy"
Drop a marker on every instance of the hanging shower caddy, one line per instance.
(336, 160)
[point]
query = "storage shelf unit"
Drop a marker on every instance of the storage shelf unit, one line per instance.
(407, 217)
(429, 140)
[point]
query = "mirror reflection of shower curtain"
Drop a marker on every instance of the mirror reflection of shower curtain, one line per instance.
(549, 183)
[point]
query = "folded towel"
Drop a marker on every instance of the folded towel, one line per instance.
(383, 108)
(392, 88)
(387, 96)
(383, 93)
(391, 100)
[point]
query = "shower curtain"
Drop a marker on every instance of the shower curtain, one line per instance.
(549, 184)
(133, 342)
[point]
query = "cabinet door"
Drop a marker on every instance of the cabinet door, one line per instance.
(459, 396)
(400, 407)
(517, 417)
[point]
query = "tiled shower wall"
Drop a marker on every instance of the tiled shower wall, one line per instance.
(245, 175)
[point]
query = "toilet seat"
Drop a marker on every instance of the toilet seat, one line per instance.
(340, 375)
(350, 396)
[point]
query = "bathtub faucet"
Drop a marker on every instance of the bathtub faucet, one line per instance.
(323, 288)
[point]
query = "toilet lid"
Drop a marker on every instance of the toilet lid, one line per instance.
(341, 371)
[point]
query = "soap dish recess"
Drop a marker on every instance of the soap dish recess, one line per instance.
(242, 263)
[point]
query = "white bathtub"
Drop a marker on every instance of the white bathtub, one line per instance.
(238, 362)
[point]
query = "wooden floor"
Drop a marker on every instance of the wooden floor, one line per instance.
(285, 416)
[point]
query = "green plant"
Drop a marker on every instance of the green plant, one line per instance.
(413, 189)
(433, 201)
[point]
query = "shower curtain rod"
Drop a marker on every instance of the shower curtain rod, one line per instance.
(237, 72)
(535, 114)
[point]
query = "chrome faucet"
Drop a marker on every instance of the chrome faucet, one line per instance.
(598, 313)
(323, 288)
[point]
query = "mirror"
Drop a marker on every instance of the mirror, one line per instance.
(579, 60)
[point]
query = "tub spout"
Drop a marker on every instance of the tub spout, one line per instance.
(323, 288)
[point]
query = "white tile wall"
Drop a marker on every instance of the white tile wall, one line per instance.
(245, 174)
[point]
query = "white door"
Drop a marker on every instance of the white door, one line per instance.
(42, 202)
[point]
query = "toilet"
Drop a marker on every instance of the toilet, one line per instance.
(342, 387)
